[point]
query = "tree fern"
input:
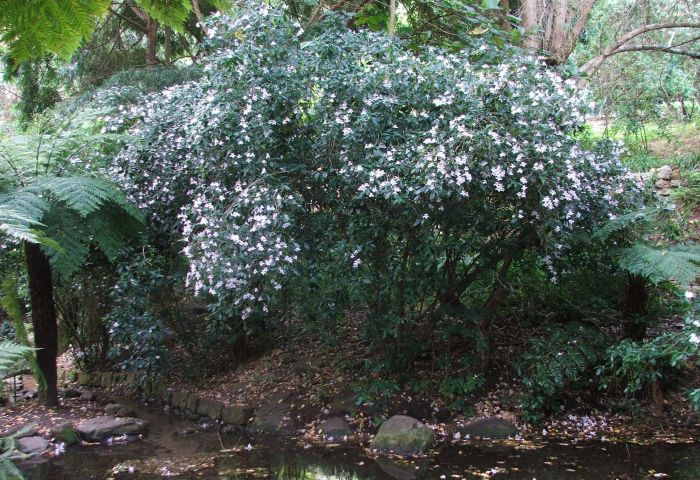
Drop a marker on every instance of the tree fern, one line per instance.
(18, 224)
(678, 264)
(11, 304)
(33, 27)
(11, 353)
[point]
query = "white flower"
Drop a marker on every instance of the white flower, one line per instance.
(694, 338)
(689, 295)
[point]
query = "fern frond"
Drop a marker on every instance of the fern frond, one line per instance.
(82, 194)
(10, 353)
(172, 13)
(16, 224)
(638, 217)
(677, 264)
(33, 27)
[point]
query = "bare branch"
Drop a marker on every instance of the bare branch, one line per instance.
(659, 48)
(592, 66)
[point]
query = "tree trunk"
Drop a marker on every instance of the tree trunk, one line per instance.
(151, 42)
(496, 299)
(554, 26)
(634, 322)
(43, 319)
(167, 46)
(657, 397)
(392, 17)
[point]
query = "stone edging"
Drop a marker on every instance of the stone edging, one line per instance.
(179, 401)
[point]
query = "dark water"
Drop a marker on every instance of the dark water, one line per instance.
(163, 452)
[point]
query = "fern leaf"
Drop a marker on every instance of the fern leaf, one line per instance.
(16, 224)
(10, 353)
(677, 264)
(623, 222)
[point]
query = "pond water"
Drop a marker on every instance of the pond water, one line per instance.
(164, 452)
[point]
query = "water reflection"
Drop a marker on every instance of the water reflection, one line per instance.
(281, 460)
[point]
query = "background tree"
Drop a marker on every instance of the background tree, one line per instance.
(55, 217)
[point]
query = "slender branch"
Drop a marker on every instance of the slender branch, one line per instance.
(592, 66)
(659, 48)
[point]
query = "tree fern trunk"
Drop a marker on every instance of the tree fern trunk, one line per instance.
(43, 319)
(634, 321)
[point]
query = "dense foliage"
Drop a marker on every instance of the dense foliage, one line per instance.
(342, 156)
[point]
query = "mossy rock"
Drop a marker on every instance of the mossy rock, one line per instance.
(83, 379)
(403, 435)
(489, 427)
(236, 415)
(65, 433)
(209, 408)
(179, 400)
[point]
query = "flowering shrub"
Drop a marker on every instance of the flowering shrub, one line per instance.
(419, 173)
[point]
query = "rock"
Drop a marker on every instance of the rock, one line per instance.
(88, 396)
(83, 378)
(271, 418)
(70, 393)
(99, 428)
(21, 432)
(209, 408)
(344, 402)
(106, 379)
(403, 435)
(664, 173)
(34, 444)
(192, 402)
(662, 184)
(126, 412)
(335, 427)
(676, 183)
(237, 415)
(65, 433)
(490, 427)
(113, 408)
(179, 400)
(676, 175)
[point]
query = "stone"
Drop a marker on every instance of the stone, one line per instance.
(126, 412)
(237, 415)
(664, 173)
(88, 396)
(113, 408)
(83, 379)
(179, 400)
(99, 428)
(70, 393)
(676, 175)
(662, 184)
(209, 408)
(106, 379)
(489, 427)
(403, 435)
(335, 427)
(31, 445)
(676, 183)
(192, 402)
(345, 402)
(21, 432)
(273, 417)
(65, 433)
